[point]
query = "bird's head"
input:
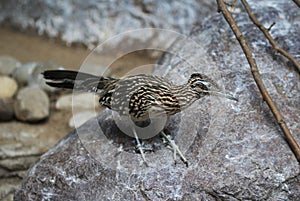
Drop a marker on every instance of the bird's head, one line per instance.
(203, 85)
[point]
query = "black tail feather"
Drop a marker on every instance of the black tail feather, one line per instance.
(75, 80)
(66, 74)
(64, 85)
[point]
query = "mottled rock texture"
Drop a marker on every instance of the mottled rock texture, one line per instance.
(92, 22)
(235, 150)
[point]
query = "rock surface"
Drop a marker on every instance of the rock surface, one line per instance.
(236, 150)
(92, 22)
(21, 144)
(31, 104)
(8, 87)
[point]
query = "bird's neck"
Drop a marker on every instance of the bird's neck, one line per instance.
(185, 95)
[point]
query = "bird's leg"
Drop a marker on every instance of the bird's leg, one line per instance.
(139, 146)
(175, 148)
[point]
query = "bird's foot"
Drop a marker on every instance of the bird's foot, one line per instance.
(139, 147)
(143, 147)
(175, 148)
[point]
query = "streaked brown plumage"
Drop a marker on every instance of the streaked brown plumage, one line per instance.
(137, 95)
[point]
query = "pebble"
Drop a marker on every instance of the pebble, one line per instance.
(80, 118)
(77, 101)
(31, 104)
(8, 64)
(8, 87)
(24, 73)
(6, 109)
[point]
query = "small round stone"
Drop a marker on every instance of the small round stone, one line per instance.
(8, 65)
(23, 74)
(31, 104)
(8, 87)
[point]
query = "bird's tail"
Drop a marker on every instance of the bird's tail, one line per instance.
(76, 80)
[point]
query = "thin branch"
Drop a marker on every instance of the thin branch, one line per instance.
(268, 35)
(257, 77)
(270, 27)
(297, 2)
(231, 3)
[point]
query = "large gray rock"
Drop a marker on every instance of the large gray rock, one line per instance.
(93, 22)
(235, 150)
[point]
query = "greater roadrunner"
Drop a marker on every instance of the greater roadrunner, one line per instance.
(138, 95)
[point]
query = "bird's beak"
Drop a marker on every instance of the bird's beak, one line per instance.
(213, 89)
(223, 94)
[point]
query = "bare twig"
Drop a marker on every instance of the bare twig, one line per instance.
(257, 77)
(268, 35)
(270, 27)
(297, 2)
(231, 3)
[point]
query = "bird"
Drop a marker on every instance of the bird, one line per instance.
(139, 95)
